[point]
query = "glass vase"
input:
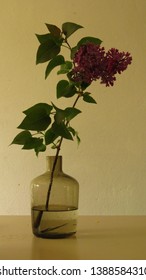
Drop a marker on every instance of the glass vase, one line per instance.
(54, 212)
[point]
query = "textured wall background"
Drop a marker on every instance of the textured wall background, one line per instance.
(110, 163)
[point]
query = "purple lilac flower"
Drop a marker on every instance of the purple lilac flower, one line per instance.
(113, 63)
(92, 63)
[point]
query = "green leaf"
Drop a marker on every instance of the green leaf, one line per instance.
(44, 37)
(78, 138)
(39, 108)
(70, 91)
(88, 98)
(71, 112)
(32, 143)
(37, 117)
(72, 130)
(47, 51)
(65, 67)
(50, 136)
(61, 130)
(88, 39)
(61, 87)
(75, 134)
(54, 30)
(69, 28)
(73, 51)
(21, 138)
(67, 114)
(84, 85)
(57, 60)
(40, 148)
(59, 116)
(39, 124)
(65, 89)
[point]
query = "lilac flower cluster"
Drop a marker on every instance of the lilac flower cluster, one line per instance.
(92, 63)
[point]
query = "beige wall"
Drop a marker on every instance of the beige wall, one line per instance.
(110, 163)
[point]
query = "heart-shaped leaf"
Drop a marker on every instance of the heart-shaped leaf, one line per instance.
(54, 30)
(65, 89)
(69, 28)
(88, 98)
(57, 60)
(47, 51)
(21, 137)
(37, 117)
(86, 40)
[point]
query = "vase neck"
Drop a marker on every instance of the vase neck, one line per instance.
(50, 162)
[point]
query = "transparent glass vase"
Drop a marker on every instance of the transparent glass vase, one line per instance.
(58, 217)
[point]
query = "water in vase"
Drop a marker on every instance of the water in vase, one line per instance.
(57, 221)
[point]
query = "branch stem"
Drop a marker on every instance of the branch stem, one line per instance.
(55, 162)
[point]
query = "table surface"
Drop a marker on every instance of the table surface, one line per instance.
(97, 238)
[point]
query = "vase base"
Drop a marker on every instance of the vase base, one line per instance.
(54, 236)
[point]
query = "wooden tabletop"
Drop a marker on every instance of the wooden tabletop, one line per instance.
(97, 238)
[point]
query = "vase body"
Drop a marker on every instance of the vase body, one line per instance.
(56, 217)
